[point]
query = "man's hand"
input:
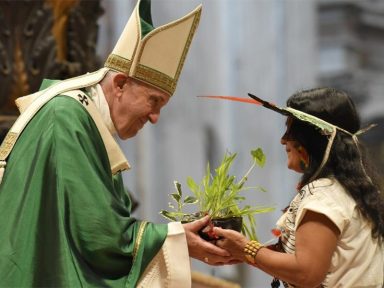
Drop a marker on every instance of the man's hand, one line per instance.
(204, 250)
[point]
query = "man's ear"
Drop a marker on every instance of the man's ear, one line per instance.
(118, 82)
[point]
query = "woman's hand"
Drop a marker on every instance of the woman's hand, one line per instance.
(233, 242)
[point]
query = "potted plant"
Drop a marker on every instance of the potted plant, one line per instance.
(220, 196)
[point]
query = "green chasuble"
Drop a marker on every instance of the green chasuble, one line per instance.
(65, 218)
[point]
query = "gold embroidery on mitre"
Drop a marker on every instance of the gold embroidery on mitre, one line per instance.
(186, 48)
(118, 63)
(155, 78)
(7, 145)
(143, 73)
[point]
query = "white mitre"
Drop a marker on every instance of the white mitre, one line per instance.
(154, 55)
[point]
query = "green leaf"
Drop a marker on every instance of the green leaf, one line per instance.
(259, 157)
(190, 200)
(168, 215)
(170, 205)
(193, 186)
(239, 198)
(178, 188)
(252, 224)
(176, 196)
(262, 189)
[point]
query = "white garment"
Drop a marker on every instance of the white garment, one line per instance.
(359, 259)
(171, 267)
(98, 98)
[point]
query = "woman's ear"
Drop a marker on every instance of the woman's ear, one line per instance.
(304, 157)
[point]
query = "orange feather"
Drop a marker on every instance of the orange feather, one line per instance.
(233, 98)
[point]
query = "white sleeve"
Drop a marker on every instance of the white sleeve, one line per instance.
(326, 204)
(171, 266)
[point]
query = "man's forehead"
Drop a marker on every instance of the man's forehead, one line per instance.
(158, 93)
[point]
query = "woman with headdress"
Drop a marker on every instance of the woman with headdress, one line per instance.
(333, 229)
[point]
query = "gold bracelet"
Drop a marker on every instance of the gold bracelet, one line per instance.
(251, 249)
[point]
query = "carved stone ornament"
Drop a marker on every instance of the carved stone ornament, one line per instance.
(44, 39)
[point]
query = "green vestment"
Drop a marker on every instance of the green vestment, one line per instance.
(65, 218)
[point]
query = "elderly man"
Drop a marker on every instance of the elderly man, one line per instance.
(66, 216)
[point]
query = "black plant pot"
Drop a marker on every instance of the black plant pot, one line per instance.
(233, 223)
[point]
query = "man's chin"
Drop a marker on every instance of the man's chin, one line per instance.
(128, 135)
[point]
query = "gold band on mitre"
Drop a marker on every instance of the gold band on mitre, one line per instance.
(156, 58)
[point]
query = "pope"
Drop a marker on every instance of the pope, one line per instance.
(66, 215)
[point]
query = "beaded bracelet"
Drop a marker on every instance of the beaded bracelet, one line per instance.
(251, 249)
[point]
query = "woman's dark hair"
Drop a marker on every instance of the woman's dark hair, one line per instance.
(345, 162)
